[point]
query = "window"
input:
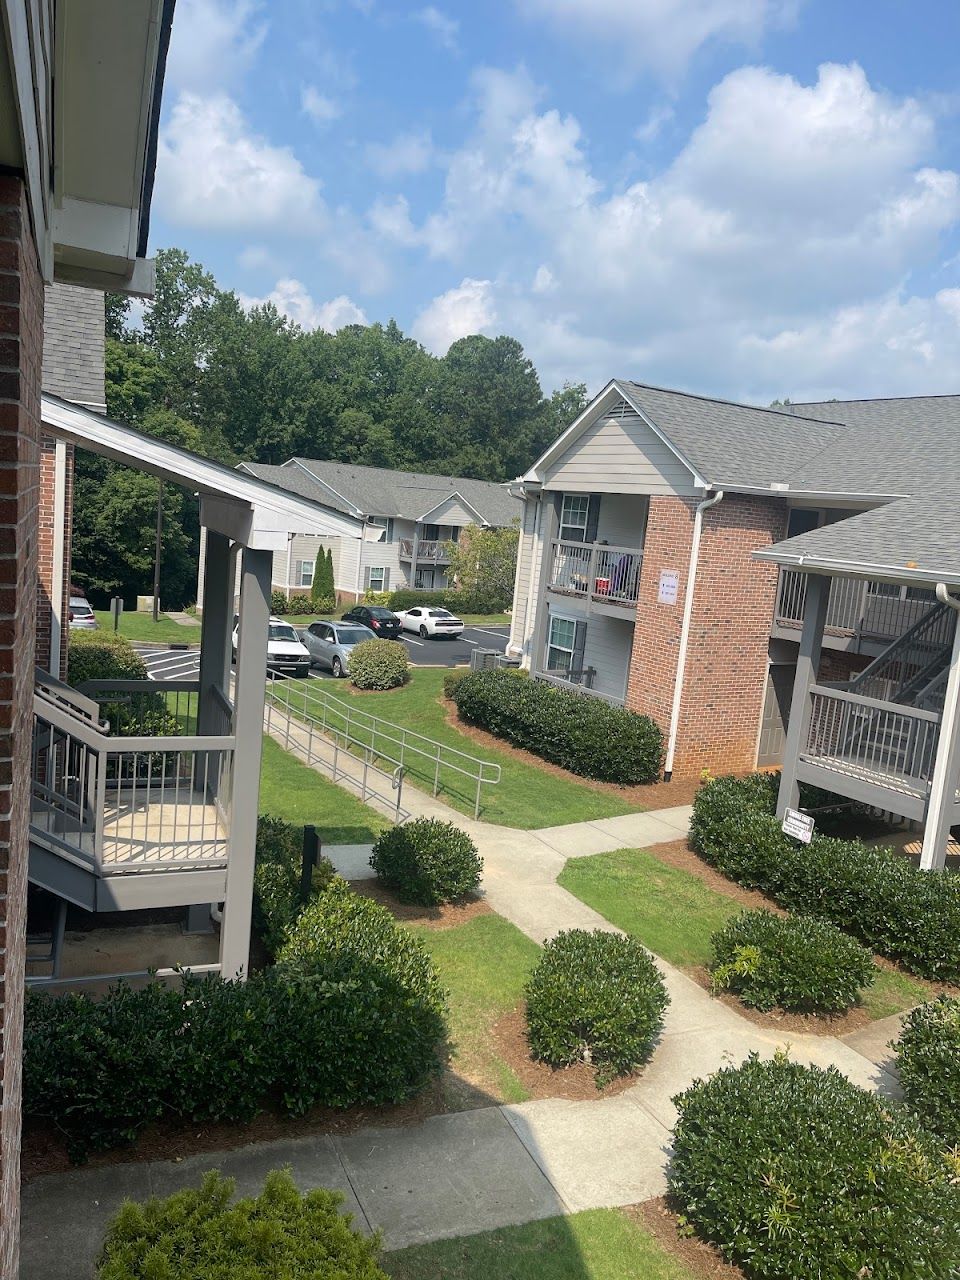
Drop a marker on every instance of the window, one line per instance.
(377, 579)
(574, 514)
(426, 579)
(303, 573)
(560, 646)
(385, 523)
(430, 533)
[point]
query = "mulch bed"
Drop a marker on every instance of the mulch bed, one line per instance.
(650, 795)
(659, 1219)
(447, 916)
(573, 1084)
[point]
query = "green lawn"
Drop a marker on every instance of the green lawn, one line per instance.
(483, 964)
(601, 1244)
(298, 794)
(674, 913)
(141, 626)
(525, 797)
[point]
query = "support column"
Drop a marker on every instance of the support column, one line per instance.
(549, 529)
(808, 664)
(217, 628)
(946, 770)
(256, 575)
(413, 556)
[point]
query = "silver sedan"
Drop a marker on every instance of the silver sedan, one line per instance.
(331, 643)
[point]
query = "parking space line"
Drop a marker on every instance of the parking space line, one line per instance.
(466, 641)
(410, 640)
(502, 635)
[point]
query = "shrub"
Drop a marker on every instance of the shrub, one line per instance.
(796, 962)
(107, 656)
(198, 1234)
(453, 598)
(875, 894)
(276, 880)
(352, 1014)
(797, 1174)
(322, 604)
(450, 681)
(583, 734)
(377, 597)
(300, 604)
(278, 603)
(928, 1064)
(378, 664)
(427, 861)
(594, 997)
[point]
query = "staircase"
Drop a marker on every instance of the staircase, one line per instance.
(913, 666)
(126, 822)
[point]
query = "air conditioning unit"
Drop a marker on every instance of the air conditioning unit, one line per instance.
(484, 659)
(504, 660)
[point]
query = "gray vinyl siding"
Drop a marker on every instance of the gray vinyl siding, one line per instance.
(607, 648)
(451, 512)
(623, 519)
(619, 454)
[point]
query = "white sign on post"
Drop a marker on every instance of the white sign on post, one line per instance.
(799, 825)
(669, 586)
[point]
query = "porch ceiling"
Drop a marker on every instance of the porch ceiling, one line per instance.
(247, 510)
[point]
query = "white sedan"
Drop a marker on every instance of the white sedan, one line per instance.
(430, 622)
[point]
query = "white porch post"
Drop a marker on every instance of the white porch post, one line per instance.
(414, 551)
(808, 664)
(256, 575)
(215, 634)
(60, 568)
(549, 531)
(946, 769)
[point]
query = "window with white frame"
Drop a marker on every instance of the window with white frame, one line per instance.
(385, 523)
(560, 644)
(303, 573)
(574, 514)
(378, 579)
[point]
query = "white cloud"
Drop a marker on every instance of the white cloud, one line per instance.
(467, 309)
(661, 34)
(321, 108)
(391, 221)
(407, 153)
(544, 281)
(657, 120)
(214, 173)
(213, 44)
(441, 25)
(293, 300)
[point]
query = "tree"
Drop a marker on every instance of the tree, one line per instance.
(484, 564)
(322, 587)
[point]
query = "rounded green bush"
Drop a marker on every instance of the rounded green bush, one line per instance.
(794, 962)
(299, 603)
(580, 733)
(276, 879)
(597, 998)
(797, 1174)
(378, 664)
(427, 861)
(200, 1233)
(928, 1065)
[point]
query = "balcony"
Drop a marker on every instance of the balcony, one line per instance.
(114, 812)
(428, 552)
(597, 573)
(859, 613)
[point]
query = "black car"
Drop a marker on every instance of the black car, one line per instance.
(382, 622)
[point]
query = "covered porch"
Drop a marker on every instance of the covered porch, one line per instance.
(146, 794)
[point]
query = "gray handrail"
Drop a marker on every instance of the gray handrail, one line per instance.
(874, 704)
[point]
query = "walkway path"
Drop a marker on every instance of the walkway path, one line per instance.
(494, 1166)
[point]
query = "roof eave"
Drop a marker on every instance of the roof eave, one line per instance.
(846, 568)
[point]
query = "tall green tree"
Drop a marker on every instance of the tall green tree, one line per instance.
(484, 564)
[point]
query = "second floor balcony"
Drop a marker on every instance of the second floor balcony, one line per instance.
(426, 550)
(860, 614)
(597, 572)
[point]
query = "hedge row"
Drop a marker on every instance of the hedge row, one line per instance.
(300, 604)
(352, 1013)
(928, 1065)
(876, 895)
(797, 1174)
(580, 733)
(454, 599)
(276, 880)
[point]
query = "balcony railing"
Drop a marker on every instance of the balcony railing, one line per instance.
(577, 682)
(155, 796)
(597, 571)
(855, 607)
(435, 552)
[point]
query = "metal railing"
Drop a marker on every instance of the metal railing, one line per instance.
(912, 661)
(440, 767)
(115, 803)
(596, 570)
(855, 607)
(434, 551)
(870, 739)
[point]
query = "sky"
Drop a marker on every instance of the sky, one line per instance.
(745, 198)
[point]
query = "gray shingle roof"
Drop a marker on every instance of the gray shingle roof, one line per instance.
(378, 491)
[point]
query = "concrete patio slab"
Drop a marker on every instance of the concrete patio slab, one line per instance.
(451, 1175)
(352, 861)
(596, 1154)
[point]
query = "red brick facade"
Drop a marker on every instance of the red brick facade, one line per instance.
(21, 345)
(729, 632)
(50, 547)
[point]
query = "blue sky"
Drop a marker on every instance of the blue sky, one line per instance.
(748, 198)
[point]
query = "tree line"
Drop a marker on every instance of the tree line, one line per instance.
(201, 371)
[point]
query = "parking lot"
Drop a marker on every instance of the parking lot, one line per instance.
(184, 664)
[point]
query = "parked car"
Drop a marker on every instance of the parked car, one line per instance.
(331, 643)
(286, 652)
(81, 616)
(430, 622)
(382, 622)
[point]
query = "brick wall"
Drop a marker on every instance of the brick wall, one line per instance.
(729, 631)
(21, 337)
(50, 548)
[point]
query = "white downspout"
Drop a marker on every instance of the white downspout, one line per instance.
(59, 549)
(685, 631)
(936, 826)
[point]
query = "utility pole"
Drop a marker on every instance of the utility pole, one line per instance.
(156, 555)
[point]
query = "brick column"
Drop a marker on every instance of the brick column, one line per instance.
(21, 343)
(50, 548)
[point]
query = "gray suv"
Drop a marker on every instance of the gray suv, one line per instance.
(331, 643)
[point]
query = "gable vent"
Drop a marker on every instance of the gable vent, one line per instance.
(621, 410)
